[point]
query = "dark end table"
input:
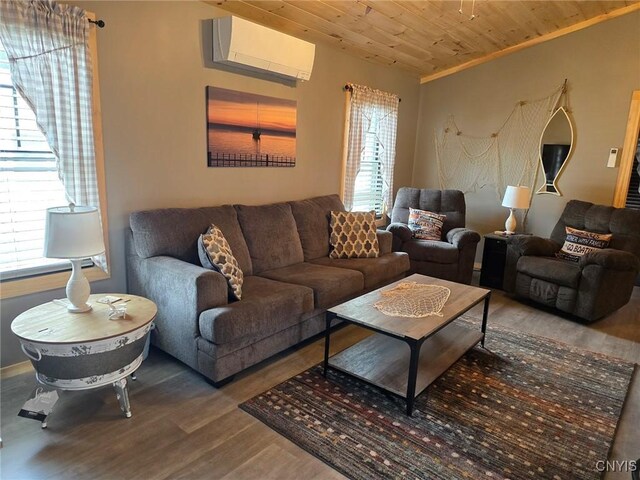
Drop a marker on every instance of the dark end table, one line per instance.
(494, 256)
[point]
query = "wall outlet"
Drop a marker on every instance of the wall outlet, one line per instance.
(614, 153)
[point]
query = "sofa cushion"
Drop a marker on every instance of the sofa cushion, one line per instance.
(312, 221)
(174, 232)
(431, 251)
(271, 235)
(551, 269)
(216, 254)
(580, 242)
(330, 285)
(266, 307)
(353, 235)
(376, 271)
(426, 225)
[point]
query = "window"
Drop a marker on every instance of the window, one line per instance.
(369, 149)
(28, 279)
(29, 184)
(368, 192)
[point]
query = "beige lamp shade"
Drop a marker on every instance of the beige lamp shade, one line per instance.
(516, 197)
(73, 232)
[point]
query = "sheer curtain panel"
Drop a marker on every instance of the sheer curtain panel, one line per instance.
(371, 149)
(50, 63)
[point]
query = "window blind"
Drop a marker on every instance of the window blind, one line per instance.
(633, 194)
(368, 191)
(29, 185)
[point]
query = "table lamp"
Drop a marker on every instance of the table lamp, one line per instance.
(74, 233)
(515, 197)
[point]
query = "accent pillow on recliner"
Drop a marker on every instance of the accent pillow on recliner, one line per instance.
(426, 225)
(579, 242)
(215, 254)
(353, 235)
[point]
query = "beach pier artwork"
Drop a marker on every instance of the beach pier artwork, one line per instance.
(249, 130)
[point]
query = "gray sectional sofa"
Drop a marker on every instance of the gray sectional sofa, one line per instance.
(289, 279)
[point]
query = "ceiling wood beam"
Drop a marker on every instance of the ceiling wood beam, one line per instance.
(356, 21)
(427, 35)
(296, 14)
(534, 41)
(264, 17)
(428, 38)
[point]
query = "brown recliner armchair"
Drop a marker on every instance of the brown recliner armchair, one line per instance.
(452, 257)
(599, 283)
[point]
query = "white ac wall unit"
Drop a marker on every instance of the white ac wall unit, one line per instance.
(243, 44)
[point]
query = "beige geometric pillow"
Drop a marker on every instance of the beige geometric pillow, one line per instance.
(578, 242)
(215, 254)
(426, 225)
(353, 235)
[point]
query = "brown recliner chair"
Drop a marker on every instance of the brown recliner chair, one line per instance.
(600, 283)
(452, 257)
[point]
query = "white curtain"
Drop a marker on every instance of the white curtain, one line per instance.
(371, 111)
(50, 63)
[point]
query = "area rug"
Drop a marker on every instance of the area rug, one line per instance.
(527, 407)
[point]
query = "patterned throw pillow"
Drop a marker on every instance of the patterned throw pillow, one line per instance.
(353, 235)
(215, 254)
(426, 225)
(579, 242)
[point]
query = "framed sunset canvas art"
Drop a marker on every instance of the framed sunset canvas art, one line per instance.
(249, 130)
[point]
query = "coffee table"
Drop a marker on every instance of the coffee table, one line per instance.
(435, 342)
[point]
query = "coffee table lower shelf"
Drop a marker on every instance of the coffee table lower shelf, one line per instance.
(383, 360)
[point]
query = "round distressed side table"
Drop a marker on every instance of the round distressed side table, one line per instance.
(80, 351)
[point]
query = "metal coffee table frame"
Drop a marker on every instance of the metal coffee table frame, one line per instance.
(415, 346)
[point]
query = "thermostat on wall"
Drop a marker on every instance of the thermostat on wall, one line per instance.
(613, 157)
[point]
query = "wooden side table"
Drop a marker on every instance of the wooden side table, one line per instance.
(80, 351)
(494, 256)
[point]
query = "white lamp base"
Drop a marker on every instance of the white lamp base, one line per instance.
(510, 224)
(78, 289)
(87, 307)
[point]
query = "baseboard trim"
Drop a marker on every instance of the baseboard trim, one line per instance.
(16, 369)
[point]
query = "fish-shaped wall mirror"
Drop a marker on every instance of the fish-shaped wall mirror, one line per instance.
(556, 145)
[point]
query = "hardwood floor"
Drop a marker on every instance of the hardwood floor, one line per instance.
(182, 427)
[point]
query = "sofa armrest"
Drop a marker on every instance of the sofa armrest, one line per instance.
(385, 241)
(400, 230)
(201, 287)
(612, 259)
(181, 291)
(461, 237)
(531, 245)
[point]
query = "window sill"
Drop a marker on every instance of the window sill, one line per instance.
(42, 283)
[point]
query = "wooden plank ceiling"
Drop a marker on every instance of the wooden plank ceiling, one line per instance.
(429, 38)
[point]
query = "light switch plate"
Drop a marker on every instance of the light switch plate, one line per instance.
(614, 153)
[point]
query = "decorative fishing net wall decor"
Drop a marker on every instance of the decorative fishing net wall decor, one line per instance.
(509, 156)
(414, 300)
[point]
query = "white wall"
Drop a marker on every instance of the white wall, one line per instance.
(602, 65)
(153, 73)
